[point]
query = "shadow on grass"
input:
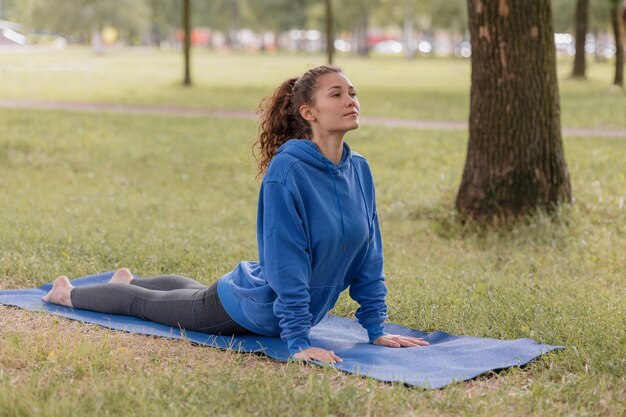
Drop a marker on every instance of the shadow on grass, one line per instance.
(540, 227)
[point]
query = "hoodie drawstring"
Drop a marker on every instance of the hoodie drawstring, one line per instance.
(343, 227)
(369, 218)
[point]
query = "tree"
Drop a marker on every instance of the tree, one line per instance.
(582, 22)
(225, 15)
(408, 29)
(84, 19)
(619, 20)
(330, 32)
(282, 15)
(7, 9)
(515, 162)
(355, 17)
(564, 15)
(360, 32)
(187, 40)
(450, 15)
(164, 19)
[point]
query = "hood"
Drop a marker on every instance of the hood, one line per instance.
(308, 152)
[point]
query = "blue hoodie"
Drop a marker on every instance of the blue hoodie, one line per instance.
(318, 234)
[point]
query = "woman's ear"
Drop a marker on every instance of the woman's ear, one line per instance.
(306, 112)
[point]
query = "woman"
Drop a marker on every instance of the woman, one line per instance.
(317, 231)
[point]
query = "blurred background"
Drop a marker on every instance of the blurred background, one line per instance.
(406, 28)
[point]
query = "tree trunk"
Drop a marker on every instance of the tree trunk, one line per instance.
(362, 45)
(617, 13)
(598, 55)
(155, 32)
(97, 45)
(187, 41)
(623, 20)
(330, 32)
(515, 162)
(582, 20)
(407, 31)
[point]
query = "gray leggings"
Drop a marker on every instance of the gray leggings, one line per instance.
(168, 299)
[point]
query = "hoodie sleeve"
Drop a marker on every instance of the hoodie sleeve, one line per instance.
(287, 265)
(368, 289)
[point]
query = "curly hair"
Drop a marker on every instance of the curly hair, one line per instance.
(280, 114)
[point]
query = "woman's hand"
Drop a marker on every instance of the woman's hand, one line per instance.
(396, 341)
(317, 354)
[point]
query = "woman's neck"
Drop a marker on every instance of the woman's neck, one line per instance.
(330, 145)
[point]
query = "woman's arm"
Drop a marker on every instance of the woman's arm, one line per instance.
(287, 269)
(369, 291)
(368, 288)
(286, 263)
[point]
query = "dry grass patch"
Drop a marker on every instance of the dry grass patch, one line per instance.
(56, 340)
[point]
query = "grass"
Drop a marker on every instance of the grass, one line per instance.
(428, 89)
(85, 193)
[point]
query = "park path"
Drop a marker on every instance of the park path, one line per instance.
(606, 132)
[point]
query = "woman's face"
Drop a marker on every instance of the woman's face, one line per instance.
(336, 107)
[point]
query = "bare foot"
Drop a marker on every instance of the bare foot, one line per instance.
(60, 292)
(122, 276)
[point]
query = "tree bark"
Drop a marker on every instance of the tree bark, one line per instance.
(330, 32)
(187, 40)
(582, 22)
(617, 15)
(515, 162)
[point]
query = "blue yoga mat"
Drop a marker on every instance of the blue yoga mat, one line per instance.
(448, 359)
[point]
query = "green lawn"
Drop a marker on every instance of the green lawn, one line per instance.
(429, 89)
(85, 193)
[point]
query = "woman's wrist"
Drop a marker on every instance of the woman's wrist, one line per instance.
(374, 331)
(298, 344)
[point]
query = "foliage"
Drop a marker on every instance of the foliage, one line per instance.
(164, 16)
(155, 19)
(281, 15)
(81, 17)
(449, 15)
(564, 15)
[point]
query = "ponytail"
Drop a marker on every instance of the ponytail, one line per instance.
(280, 114)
